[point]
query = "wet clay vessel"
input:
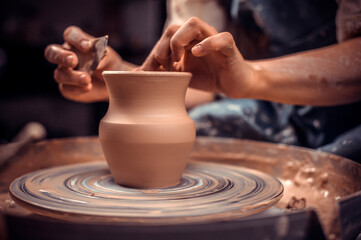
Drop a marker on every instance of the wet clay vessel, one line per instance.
(146, 135)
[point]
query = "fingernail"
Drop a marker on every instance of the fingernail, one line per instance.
(85, 44)
(70, 60)
(197, 49)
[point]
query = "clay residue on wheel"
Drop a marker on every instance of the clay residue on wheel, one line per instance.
(206, 193)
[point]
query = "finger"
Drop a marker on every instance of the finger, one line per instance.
(77, 38)
(222, 42)
(150, 63)
(161, 54)
(56, 54)
(74, 92)
(194, 30)
(68, 76)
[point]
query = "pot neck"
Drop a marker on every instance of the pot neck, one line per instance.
(147, 99)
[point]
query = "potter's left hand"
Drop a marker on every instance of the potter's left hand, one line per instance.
(212, 58)
(80, 85)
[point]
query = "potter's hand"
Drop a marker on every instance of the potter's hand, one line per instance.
(79, 85)
(212, 58)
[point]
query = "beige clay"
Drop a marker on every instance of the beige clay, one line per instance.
(146, 134)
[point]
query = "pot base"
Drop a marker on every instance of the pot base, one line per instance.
(156, 165)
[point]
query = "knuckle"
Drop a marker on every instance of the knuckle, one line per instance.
(171, 29)
(159, 57)
(194, 21)
(213, 29)
(228, 38)
(175, 42)
(67, 31)
(71, 31)
(48, 51)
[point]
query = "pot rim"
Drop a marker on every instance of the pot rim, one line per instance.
(146, 73)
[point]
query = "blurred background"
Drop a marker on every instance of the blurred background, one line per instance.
(27, 89)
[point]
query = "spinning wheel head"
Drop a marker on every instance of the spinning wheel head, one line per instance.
(206, 193)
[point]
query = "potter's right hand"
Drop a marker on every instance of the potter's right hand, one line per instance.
(78, 85)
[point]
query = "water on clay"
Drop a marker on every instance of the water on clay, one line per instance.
(207, 192)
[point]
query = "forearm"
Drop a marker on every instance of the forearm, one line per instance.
(127, 66)
(113, 62)
(196, 97)
(321, 77)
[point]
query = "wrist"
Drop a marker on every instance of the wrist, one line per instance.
(246, 81)
(113, 61)
(118, 64)
(256, 81)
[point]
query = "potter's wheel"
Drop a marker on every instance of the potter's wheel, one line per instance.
(207, 192)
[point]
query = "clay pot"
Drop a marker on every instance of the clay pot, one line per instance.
(146, 135)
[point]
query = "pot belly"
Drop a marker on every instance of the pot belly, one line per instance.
(147, 156)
